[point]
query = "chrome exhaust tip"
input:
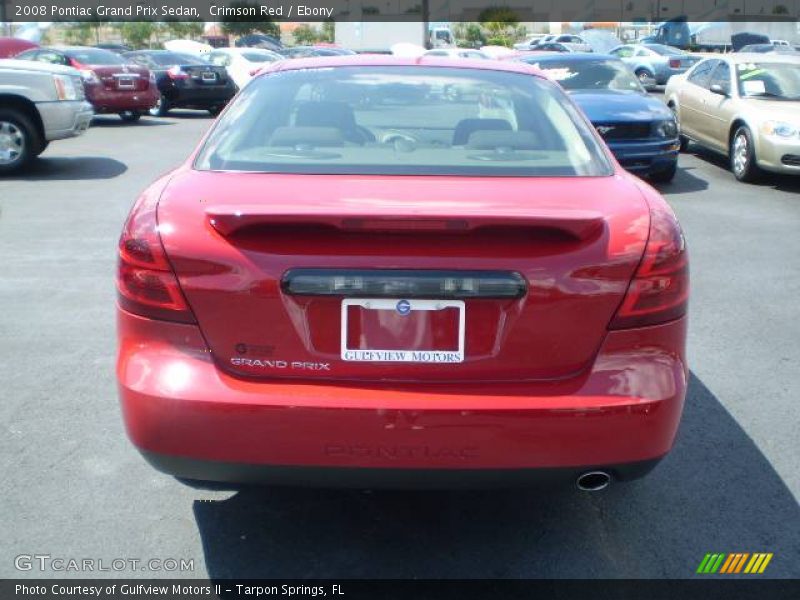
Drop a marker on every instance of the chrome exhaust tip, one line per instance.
(593, 481)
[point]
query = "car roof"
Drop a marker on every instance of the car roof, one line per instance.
(571, 56)
(745, 57)
(386, 60)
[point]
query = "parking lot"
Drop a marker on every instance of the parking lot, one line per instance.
(76, 488)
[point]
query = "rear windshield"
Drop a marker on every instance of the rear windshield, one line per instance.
(589, 74)
(95, 56)
(405, 121)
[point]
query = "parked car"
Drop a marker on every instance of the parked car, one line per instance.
(112, 85)
(39, 103)
(768, 49)
(241, 63)
(310, 51)
(185, 81)
(10, 47)
(654, 64)
(559, 47)
(458, 53)
(488, 297)
(639, 129)
(259, 40)
(744, 106)
(115, 48)
(529, 41)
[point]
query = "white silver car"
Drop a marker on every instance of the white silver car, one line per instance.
(39, 103)
(242, 62)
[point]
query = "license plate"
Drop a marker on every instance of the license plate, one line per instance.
(125, 82)
(400, 330)
(209, 76)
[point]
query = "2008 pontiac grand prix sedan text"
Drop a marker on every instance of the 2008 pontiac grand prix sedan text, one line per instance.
(361, 277)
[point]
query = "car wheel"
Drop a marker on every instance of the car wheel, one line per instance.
(645, 77)
(665, 175)
(19, 141)
(215, 110)
(130, 116)
(743, 156)
(161, 108)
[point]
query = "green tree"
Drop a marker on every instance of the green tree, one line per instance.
(328, 32)
(183, 29)
(235, 25)
(501, 25)
(137, 33)
(469, 35)
(78, 33)
(305, 35)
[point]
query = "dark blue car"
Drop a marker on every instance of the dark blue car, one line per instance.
(639, 129)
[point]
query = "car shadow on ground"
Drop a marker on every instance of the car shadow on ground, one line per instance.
(715, 492)
(685, 182)
(777, 181)
(71, 168)
(114, 121)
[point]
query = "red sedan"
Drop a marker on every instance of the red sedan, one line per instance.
(112, 85)
(360, 279)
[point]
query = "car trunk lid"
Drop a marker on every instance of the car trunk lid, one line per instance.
(286, 274)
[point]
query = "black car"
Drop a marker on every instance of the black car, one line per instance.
(185, 81)
(115, 48)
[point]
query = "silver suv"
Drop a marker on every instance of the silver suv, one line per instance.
(39, 103)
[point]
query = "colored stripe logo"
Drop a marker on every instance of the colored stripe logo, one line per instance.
(737, 562)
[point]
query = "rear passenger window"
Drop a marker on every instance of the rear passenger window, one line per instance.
(701, 75)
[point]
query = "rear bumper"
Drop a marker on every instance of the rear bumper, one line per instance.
(205, 97)
(112, 101)
(193, 420)
(386, 478)
(646, 157)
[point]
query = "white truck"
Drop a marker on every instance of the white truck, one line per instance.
(379, 37)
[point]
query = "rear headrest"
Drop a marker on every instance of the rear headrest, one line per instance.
(317, 137)
(489, 140)
(325, 114)
(466, 127)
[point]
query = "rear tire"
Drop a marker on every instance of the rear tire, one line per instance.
(743, 156)
(665, 175)
(130, 116)
(161, 108)
(20, 141)
(645, 77)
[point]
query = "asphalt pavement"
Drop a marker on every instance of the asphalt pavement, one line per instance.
(74, 487)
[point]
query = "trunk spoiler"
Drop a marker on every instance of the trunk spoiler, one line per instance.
(580, 224)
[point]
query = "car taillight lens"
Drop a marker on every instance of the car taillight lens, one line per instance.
(146, 283)
(176, 73)
(674, 63)
(659, 291)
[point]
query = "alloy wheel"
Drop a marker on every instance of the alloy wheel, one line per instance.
(740, 154)
(12, 143)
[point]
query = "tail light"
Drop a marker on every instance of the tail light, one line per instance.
(146, 283)
(659, 291)
(176, 73)
(674, 63)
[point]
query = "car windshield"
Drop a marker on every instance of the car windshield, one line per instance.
(664, 50)
(404, 121)
(589, 74)
(167, 59)
(769, 80)
(95, 56)
(259, 56)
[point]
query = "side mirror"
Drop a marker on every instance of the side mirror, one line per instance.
(718, 89)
